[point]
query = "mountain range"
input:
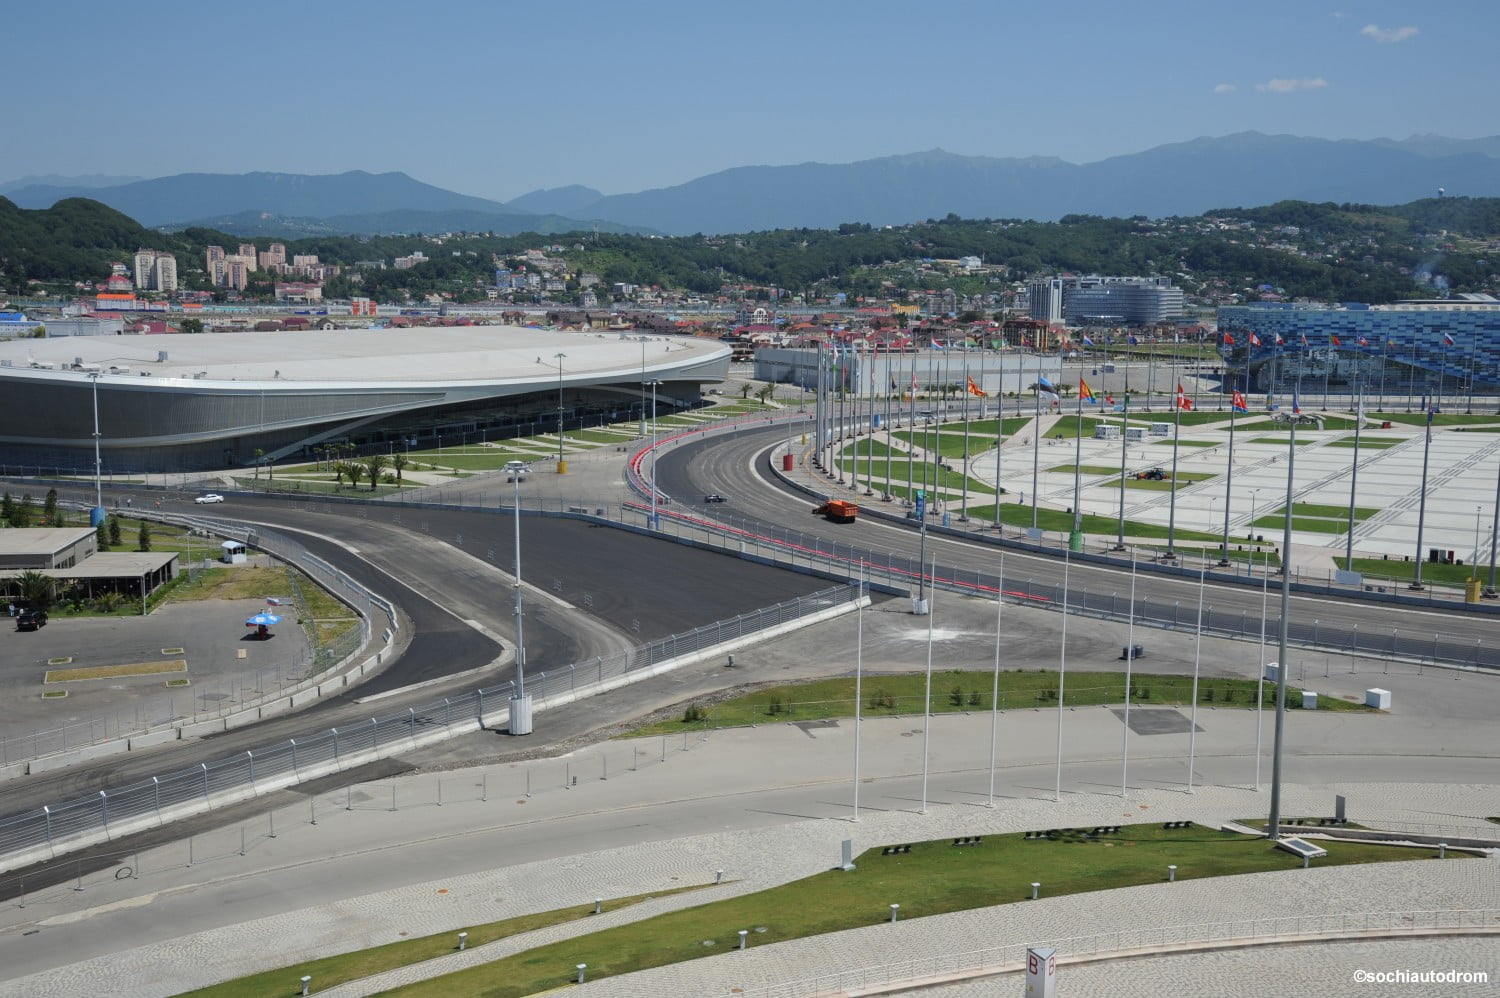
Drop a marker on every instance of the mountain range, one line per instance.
(1185, 178)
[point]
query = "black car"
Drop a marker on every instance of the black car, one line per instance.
(714, 497)
(30, 620)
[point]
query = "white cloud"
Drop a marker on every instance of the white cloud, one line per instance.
(1283, 85)
(1387, 35)
(1225, 88)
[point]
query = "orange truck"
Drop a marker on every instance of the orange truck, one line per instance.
(839, 510)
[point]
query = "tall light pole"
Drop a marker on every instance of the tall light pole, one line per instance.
(643, 388)
(655, 521)
(520, 704)
(1273, 825)
(98, 515)
(1494, 534)
(562, 464)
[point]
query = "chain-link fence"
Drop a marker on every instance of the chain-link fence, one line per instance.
(45, 832)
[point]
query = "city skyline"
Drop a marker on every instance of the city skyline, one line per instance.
(628, 99)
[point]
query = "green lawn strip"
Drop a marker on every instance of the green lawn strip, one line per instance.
(317, 487)
(1069, 426)
(1282, 441)
(1190, 443)
(954, 690)
(933, 878)
(331, 971)
(1019, 515)
(1365, 443)
(1309, 524)
(592, 437)
(1162, 484)
(1441, 419)
(1322, 509)
(475, 462)
(1405, 571)
(1086, 469)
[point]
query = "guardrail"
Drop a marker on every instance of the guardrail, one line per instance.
(1142, 941)
(47, 832)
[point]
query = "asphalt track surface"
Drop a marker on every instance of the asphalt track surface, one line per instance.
(738, 467)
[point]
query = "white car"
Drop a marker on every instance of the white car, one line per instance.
(209, 497)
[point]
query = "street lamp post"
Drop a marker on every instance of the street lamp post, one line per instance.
(1273, 825)
(562, 464)
(98, 515)
(520, 704)
(655, 517)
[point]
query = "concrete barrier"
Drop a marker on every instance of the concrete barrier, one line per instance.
(154, 738)
(13, 770)
(240, 718)
(305, 696)
(202, 728)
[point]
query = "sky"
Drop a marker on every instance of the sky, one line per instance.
(497, 98)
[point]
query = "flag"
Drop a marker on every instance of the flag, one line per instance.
(272, 601)
(1296, 402)
(1448, 339)
(1390, 343)
(1237, 403)
(1361, 412)
(1183, 402)
(1334, 340)
(1228, 340)
(1432, 407)
(975, 389)
(1109, 400)
(1133, 341)
(1086, 394)
(1280, 340)
(1304, 339)
(1254, 340)
(1088, 342)
(936, 345)
(1363, 342)
(1046, 389)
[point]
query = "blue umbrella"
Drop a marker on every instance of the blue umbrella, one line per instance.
(263, 620)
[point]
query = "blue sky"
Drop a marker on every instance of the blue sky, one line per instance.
(499, 98)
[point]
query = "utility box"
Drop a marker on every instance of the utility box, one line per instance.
(1135, 434)
(1106, 431)
(1309, 700)
(1378, 698)
(1161, 429)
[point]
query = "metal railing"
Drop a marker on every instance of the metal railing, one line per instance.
(1135, 941)
(61, 827)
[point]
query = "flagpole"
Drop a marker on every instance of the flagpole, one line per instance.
(963, 514)
(1260, 679)
(1036, 441)
(1176, 432)
(1124, 422)
(818, 411)
(1422, 504)
(870, 425)
(1359, 422)
(1150, 370)
(1129, 662)
(927, 695)
(890, 384)
(859, 651)
(1062, 671)
(911, 430)
(1197, 653)
(1228, 477)
(1473, 349)
(995, 693)
(1077, 466)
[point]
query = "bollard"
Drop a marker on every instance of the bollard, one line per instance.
(484, 787)
(1172, 874)
(393, 796)
(895, 908)
(349, 797)
(581, 968)
(718, 876)
(598, 905)
(1306, 861)
(605, 761)
(1442, 850)
(463, 940)
(312, 806)
(306, 979)
(1034, 889)
(271, 820)
(242, 839)
(440, 792)
(78, 872)
(743, 934)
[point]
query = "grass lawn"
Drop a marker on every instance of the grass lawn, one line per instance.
(332, 971)
(1069, 426)
(955, 690)
(1405, 571)
(1164, 484)
(1309, 524)
(932, 879)
(1282, 441)
(1365, 443)
(1086, 469)
(1019, 515)
(1320, 509)
(1441, 419)
(1189, 443)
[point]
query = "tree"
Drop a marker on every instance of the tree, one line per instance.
(745, 390)
(766, 390)
(50, 516)
(35, 589)
(258, 455)
(354, 471)
(8, 509)
(114, 531)
(101, 536)
(193, 325)
(143, 536)
(25, 513)
(398, 462)
(374, 465)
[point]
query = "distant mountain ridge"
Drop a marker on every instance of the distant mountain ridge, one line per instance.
(1183, 178)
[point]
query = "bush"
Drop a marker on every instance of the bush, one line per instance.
(1208, 694)
(775, 705)
(975, 700)
(1145, 693)
(956, 696)
(693, 714)
(1229, 695)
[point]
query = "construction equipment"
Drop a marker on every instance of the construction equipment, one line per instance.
(838, 510)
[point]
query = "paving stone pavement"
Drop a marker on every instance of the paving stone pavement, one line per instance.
(759, 858)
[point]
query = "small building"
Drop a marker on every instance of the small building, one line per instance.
(1106, 431)
(1161, 429)
(232, 553)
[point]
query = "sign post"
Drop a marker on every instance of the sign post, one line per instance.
(1041, 972)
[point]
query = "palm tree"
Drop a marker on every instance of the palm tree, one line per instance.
(355, 471)
(258, 455)
(398, 462)
(745, 390)
(766, 391)
(35, 589)
(374, 465)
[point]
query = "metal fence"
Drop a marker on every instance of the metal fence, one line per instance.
(63, 826)
(1133, 941)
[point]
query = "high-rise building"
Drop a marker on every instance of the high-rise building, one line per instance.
(144, 260)
(247, 250)
(1046, 299)
(1105, 301)
(164, 272)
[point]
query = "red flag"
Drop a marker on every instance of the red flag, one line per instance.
(1183, 402)
(1334, 340)
(1254, 340)
(1237, 403)
(1228, 340)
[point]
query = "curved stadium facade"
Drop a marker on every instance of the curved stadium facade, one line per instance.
(1433, 345)
(201, 402)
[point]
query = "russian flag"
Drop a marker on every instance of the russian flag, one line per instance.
(1280, 340)
(272, 601)
(1448, 339)
(1296, 402)
(1088, 342)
